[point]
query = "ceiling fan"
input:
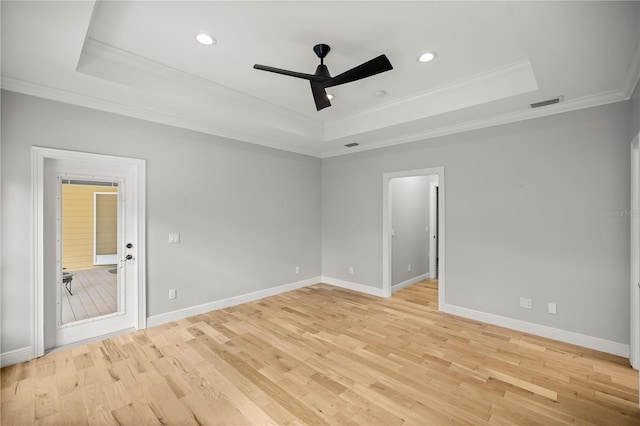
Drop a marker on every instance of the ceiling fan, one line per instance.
(322, 79)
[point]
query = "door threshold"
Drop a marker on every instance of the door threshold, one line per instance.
(90, 340)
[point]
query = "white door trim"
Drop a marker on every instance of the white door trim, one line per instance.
(634, 340)
(432, 228)
(38, 156)
(386, 227)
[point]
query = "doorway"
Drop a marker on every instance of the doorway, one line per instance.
(66, 273)
(387, 230)
(410, 248)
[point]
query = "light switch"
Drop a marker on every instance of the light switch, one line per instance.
(174, 238)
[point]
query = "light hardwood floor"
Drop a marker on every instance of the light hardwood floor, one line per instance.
(323, 355)
(94, 294)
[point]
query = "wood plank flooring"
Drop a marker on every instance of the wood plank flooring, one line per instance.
(94, 294)
(323, 355)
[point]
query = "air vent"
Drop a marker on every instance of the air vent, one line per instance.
(547, 102)
(351, 145)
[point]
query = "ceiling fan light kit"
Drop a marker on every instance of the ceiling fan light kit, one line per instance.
(322, 79)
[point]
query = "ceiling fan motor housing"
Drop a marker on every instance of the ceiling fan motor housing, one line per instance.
(323, 71)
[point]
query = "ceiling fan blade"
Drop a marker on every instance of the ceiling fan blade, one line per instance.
(319, 96)
(369, 68)
(309, 77)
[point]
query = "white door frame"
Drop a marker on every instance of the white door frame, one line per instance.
(38, 156)
(386, 228)
(634, 340)
(433, 232)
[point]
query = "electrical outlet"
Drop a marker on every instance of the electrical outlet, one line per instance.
(297, 269)
(174, 238)
(526, 303)
(409, 268)
(351, 269)
(172, 294)
(553, 308)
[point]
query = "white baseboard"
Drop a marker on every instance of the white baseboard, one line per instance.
(225, 303)
(412, 281)
(583, 340)
(373, 291)
(16, 356)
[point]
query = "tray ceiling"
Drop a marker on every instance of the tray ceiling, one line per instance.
(141, 59)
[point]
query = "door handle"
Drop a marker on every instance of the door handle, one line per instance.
(127, 257)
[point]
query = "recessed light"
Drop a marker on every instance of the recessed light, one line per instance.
(380, 93)
(206, 39)
(329, 96)
(427, 57)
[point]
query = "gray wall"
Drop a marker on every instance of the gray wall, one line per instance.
(252, 213)
(531, 210)
(409, 218)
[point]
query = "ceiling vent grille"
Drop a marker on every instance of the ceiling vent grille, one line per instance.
(351, 145)
(547, 102)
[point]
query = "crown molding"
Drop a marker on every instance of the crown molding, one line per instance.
(73, 98)
(28, 88)
(632, 77)
(567, 106)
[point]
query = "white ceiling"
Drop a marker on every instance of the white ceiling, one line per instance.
(494, 58)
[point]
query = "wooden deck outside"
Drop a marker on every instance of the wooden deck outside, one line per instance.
(94, 294)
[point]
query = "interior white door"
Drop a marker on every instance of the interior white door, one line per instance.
(57, 332)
